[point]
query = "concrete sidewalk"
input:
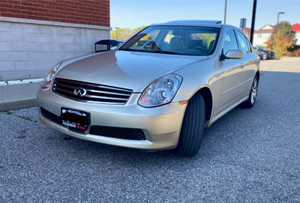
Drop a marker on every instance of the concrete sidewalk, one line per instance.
(18, 95)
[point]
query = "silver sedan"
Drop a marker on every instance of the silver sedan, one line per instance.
(157, 91)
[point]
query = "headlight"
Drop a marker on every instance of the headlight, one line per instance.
(161, 91)
(50, 75)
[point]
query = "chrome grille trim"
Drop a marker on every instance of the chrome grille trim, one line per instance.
(95, 92)
(103, 92)
(92, 96)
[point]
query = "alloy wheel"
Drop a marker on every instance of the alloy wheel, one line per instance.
(254, 91)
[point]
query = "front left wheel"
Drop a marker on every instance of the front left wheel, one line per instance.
(192, 127)
(252, 95)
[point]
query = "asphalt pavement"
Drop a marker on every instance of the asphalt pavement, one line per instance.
(249, 155)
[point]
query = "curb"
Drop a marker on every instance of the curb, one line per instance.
(19, 94)
(21, 82)
(13, 105)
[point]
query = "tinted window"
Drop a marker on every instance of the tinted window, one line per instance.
(174, 40)
(243, 44)
(229, 41)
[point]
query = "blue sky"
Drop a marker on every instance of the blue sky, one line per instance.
(135, 13)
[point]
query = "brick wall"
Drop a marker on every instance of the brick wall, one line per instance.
(91, 12)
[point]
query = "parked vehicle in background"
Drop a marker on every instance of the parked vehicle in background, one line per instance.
(107, 44)
(270, 54)
(262, 55)
(158, 91)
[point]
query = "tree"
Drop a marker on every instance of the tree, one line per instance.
(139, 28)
(124, 33)
(281, 45)
(287, 31)
(284, 40)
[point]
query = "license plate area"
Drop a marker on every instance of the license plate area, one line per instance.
(75, 120)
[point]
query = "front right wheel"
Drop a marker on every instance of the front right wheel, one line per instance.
(192, 127)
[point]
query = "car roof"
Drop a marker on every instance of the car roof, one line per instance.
(205, 23)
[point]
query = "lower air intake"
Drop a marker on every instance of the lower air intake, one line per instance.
(120, 133)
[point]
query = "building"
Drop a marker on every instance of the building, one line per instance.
(260, 36)
(263, 34)
(296, 28)
(247, 31)
(35, 35)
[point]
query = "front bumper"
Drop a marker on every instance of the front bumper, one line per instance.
(161, 125)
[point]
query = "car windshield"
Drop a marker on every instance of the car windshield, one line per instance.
(181, 40)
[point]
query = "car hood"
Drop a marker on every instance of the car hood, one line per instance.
(125, 69)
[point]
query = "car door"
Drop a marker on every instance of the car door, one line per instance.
(230, 74)
(249, 63)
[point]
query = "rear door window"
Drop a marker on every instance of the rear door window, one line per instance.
(230, 42)
(243, 44)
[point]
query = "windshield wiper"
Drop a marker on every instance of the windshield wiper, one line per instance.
(166, 52)
(160, 51)
(169, 52)
(138, 50)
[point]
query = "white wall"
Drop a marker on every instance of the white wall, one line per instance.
(260, 38)
(29, 48)
(298, 37)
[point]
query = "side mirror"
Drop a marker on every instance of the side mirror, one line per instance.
(119, 45)
(234, 54)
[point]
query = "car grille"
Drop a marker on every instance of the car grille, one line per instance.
(93, 92)
(121, 133)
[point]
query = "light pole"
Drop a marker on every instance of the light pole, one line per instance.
(276, 30)
(225, 11)
(117, 28)
(253, 21)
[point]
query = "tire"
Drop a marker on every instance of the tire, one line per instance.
(265, 57)
(252, 95)
(192, 127)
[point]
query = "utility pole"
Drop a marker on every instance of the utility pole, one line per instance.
(253, 21)
(225, 12)
(117, 30)
(276, 30)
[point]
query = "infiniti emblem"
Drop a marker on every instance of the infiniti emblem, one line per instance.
(80, 92)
